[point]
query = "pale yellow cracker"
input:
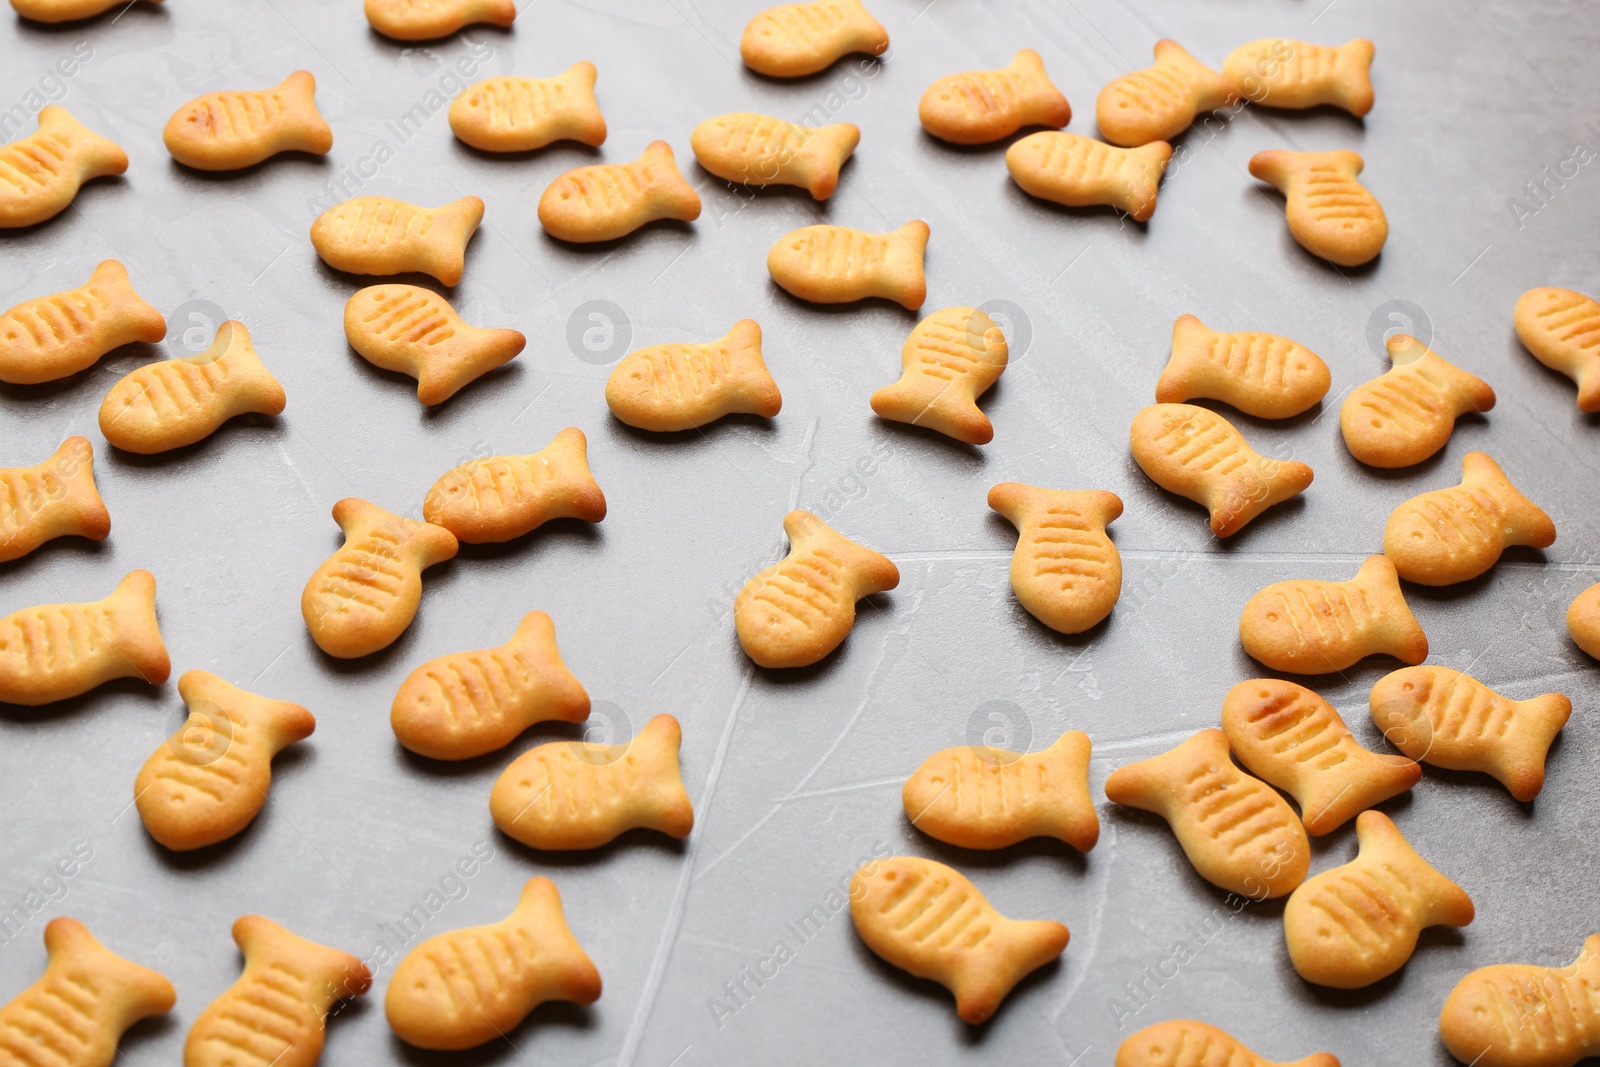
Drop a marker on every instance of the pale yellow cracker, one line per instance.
(1523, 1015)
(207, 781)
(758, 150)
(793, 40)
(509, 114)
(610, 200)
(232, 130)
(1261, 374)
(981, 106)
(801, 608)
(56, 498)
(503, 497)
(1408, 413)
(467, 987)
(684, 385)
(1305, 626)
(56, 651)
(415, 331)
(1455, 534)
(1187, 1043)
(838, 265)
(1077, 171)
(1064, 570)
(1562, 330)
(1329, 212)
(914, 912)
(1277, 72)
(1159, 102)
(428, 20)
(51, 337)
(45, 170)
(951, 358)
(381, 235)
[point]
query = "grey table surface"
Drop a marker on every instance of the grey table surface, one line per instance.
(795, 776)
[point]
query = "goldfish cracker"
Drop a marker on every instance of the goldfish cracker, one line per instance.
(51, 337)
(982, 106)
(758, 150)
(414, 331)
(1455, 534)
(58, 651)
(610, 200)
(951, 358)
(1187, 1043)
(46, 169)
(429, 20)
(1310, 627)
(1329, 212)
(503, 497)
(380, 235)
(838, 265)
(509, 114)
(1562, 330)
(793, 40)
(913, 912)
(1077, 171)
(801, 608)
(232, 130)
(1406, 414)
(1065, 570)
(1522, 1015)
(1277, 72)
(1583, 620)
(56, 498)
(65, 10)
(1261, 374)
(1158, 103)
(670, 387)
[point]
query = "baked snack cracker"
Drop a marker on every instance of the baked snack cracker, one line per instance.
(364, 596)
(176, 402)
(951, 358)
(1261, 374)
(510, 114)
(1448, 719)
(415, 331)
(1187, 1043)
(982, 106)
(1583, 620)
(1562, 330)
(46, 169)
(1304, 626)
(50, 337)
(56, 498)
(1197, 454)
(466, 987)
(1455, 534)
(1291, 738)
(1064, 570)
(1276, 72)
(428, 20)
(381, 235)
(680, 386)
(1354, 925)
(208, 780)
(929, 920)
(1522, 1015)
(801, 608)
(1329, 212)
(65, 10)
(232, 130)
(758, 150)
(503, 497)
(75, 1014)
(56, 651)
(838, 265)
(1158, 103)
(793, 40)
(973, 796)
(1239, 834)
(1408, 413)
(610, 200)
(573, 795)
(277, 1011)
(1078, 171)
(468, 703)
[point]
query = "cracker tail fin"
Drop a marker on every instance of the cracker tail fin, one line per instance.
(446, 249)
(569, 462)
(244, 363)
(904, 263)
(1047, 105)
(535, 644)
(574, 976)
(670, 191)
(1068, 759)
(1540, 719)
(1356, 94)
(1191, 345)
(1379, 579)
(312, 132)
(1023, 947)
(1527, 522)
(129, 991)
(587, 124)
(671, 811)
(112, 276)
(135, 633)
(73, 462)
(101, 156)
(825, 154)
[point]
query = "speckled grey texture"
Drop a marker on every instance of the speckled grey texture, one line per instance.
(795, 776)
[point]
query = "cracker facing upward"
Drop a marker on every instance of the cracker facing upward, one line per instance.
(1065, 570)
(838, 265)
(573, 795)
(469, 703)
(973, 796)
(1521, 1015)
(793, 40)
(440, 998)
(951, 358)
(1455, 534)
(1158, 103)
(1197, 454)
(176, 402)
(1408, 413)
(64, 10)
(801, 608)
(56, 651)
(1187, 1043)
(963, 943)
(380, 235)
(511, 114)
(1583, 620)
(50, 166)
(1448, 719)
(1276, 72)
(415, 331)
(209, 779)
(56, 498)
(1239, 834)
(680, 386)
(364, 596)
(1329, 212)
(1305, 626)
(981, 106)
(1261, 374)
(277, 1011)
(231, 130)
(86, 998)
(1077, 171)
(610, 200)
(1562, 330)
(503, 497)
(758, 150)
(1357, 924)
(428, 20)
(50, 337)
